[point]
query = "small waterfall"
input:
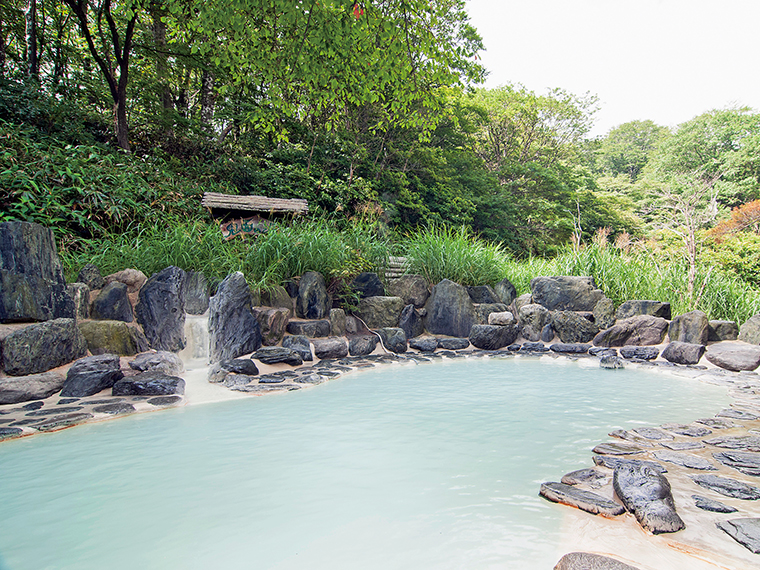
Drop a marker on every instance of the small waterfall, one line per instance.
(195, 353)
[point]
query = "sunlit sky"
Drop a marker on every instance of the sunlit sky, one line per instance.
(664, 60)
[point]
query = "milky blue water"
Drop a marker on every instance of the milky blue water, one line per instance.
(405, 467)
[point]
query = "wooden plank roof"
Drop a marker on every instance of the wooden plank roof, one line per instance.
(254, 203)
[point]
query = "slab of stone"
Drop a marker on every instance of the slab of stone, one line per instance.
(745, 531)
(749, 332)
(742, 442)
(589, 561)
(682, 445)
(646, 493)
(333, 347)
(722, 330)
(493, 337)
(602, 351)
(10, 432)
(653, 433)
(716, 423)
(300, 344)
(380, 312)
(413, 289)
(112, 304)
(272, 323)
(277, 355)
(310, 329)
(424, 343)
(583, 500)
(394, 339)
(572, 328)
(688, 431)
(16, 389)
(736, 356)
(240, 366)
(483, 294)
(533, 318)
(610, 362)
(501, 318)
(151, 383)
(640, 307)
(233, 330)
(160, 309)
(337, 319)
(746, 462)
(728, 487)
(591, 477)
(533, 347)
(733, 414)
(505, 291)
(41, 347)
(62, 421)
(569, 348)
(313, 301)
(565, 293)
(164, 400)
(631, 436)
(92, 374)
(615, 448)
(453, 343)
(134, 279)
(196, 293)
(362, 345)
(80, 295)
(612, 462)
(685, 460)
(712, 506)
(683, 352)
(690, 327)
(163, 361)
(115, 409)
(640, 352)
(604, 313)
(410, 322)
(113, 337)
(52, 411)
(450, 310)
(641, 330)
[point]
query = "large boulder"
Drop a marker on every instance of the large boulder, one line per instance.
(483, 294)
(134, 279)
(151, 383)
(90, 276)
(505, 291)
(113, 337)
(394, 339)
(646, 493)
(502, 318)
(379, 312)
(745, 531)
(332, 347)
(565, 293)
(32, 286)
(90, 375)
(590, 561)
(410, 322)
(362, 345)
(722, 330)
(533, 318)
(690, 327)
(750, 331)
(337, 322)
(277, 355)
(112, 304)
(368, 285)
(424, 343)
(163, 361)
(196, 293)
(313, 301)
(640, 307)
(161, 309)
(484, 310)
(16, 389)
(521, 301)
(493, 337)
(604, 313)
(413, 289)
(572, 327)
(641, 330)
(233, 330)
(272, 323)
(683, 352)
(41, 347)
(584, 500)
(449, 310)
(310, 329)
(278, 297)
(299, 344)
(734, 356)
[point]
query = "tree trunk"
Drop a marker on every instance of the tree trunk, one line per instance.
(2, 49)
(162, 67)
(208, 99)
(32, 62)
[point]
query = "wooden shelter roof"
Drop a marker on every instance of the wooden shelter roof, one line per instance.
(254, 203)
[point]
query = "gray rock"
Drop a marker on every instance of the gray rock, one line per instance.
(272, 323)
(9, 432)
(737, 415)
(572, 327)
(241, 366)
(17, 389)
(90, 276)
(113, 337)
(411, 322)
(80, 296)
(727, 487)
(689, 431)
(589, 561)
(379, 312)
(62, 421)
(744, 531)
(505, 291)
(713, 506)
(367, 285)
(196, 293)
(611, 362)
(685, 460)
(300, 344)
(547, 333)
(653, 434)
(634, 308)
(716, 423)
(690, 327)
(533, 318)
(483, 311)
(642, 330)
(572, 348)
(92, 374)
(277, 354)
(604, 313)
(493, 337)
(163, 361)
(332, 347)
(722, 330)
(502, 318)
(164, 400)
(646, 493)
(746, 462)
(533, 347)
(613, 462)
(161, 309)
(394, 339)
(682, 445)
(602, 351)
(362, 345)
(112, 304)
(413, 289)
(313, 301)
(310, 329)
(42, 346)
(734, 356)
(743, 442)
(424, 343)
(633, 437)
(521, 301)
(233, 330)
(151, 383)
(615, 448)
(591, 477)
(640, 352)
(683, 352)
(583, 500)
(483, 294)
(32, 286)
(132, 278)
(114, 409)
(449, 310)
(453, 343)
(565, 293)
(750, 331)
(337, 322)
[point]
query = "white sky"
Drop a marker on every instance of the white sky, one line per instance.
(664, 60)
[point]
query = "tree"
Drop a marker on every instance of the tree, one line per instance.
(626, 149)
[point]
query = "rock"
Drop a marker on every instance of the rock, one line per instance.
(164, 400)
(367, 285)
(584, 500)
(242, 365)
(115, 409)
(750, 331)
(484, 310)
(32, 286)
(634, 308)
(196, 293)
(151, 383)
(690, 327)
(565, 293)
(646, 493)
(134, 279)
(410, 322)
(278, 297)
(734, 356)
(683, 352)
(642, 330)
(685, 460)
(449, 310)
(291, 286)
(233, 330)
(737, 415)
(413, 289)
(611, 362)
(32, 387)
(311, 329)
(313, 301)
(521, 301)
(744, 531)
(362, 345)
(90, 276)
(589, 561)
(743, 442)
(716, 423)
(640, 352)
(713, 506)
(453, 343)
(533, 347)
(614, 462)
(689, 431)
(591, 477)
(424, 343)
(9, 432)
(62, 421)
(503, 318)
(604, 313)
(602, 351)
(161, 309)
(746, 462)
(493, 337)
(163, 361)
(112, 304)
(272, 323)
(574, 348)
(505, 291)
(80, 296)
(394, 339)
(332, 347)
(92, 374)
(615, 448)
(547, 333)
(278, 354)
(379, 312)
(299, 344)
(633, 437)
(727, 487)
(573, 328)
(337, 322)
(483, 294)
(682, 445)
(42, 346)
(533, 318)
(113, 337)
(722, 330)
(653, 434)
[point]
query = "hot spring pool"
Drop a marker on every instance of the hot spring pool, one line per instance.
(403, 467)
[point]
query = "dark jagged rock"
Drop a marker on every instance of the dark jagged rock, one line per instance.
(151, 383)
(646, 493)
(453, 343)
(565, 293)
(114, 409)
(483, 312)
(493, 337)
(42, 346)
(233, 330)
(574, 348)
(533, 347)
(505, 291)
(394, 339)
(572, 327)
(640, 352)
(683, 352)
(602, 351)
(241, 366)
(80, 296)
(744, 531)
(589, 561)
(736, 356)
(713, 506)
(690, 327)
(196, 293)
(36, 405)
(547, 333)
(636, 307)
(163, 361)
(52, 411)
(728, 487)
(483, 294)
(62, 421)
(113, 337)
(749, 332)
(742, 442)
(333, 347)
(313, 301)
(591, 477)
(642, 330)
(161, 309)
(615, 448)
(746, 462)
(90, 276)
(300, 344)
(611, 362)
(689, 431)
(533, 318)
(277, 355)
(685, 460)
(92, 374)
(604, 313)
(584, 500)
(368, 285)
(424, 343)
(164, 400)
(722, 330)
(272, 323)
(449, 310)
(411, 322)
(413, 289)
(16, 389)
(9, 432)
(362, 345)
(112, 304)
(310, 329)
